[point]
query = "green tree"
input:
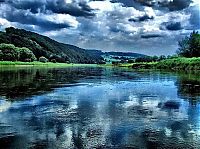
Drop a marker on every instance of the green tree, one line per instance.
(43, 59)
(26, 55)
(190, 46)
(8, 52)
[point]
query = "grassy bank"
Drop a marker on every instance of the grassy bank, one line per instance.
(173, 64)
(48, 64)
(179, 64)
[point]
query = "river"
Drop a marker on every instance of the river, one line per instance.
(97, 107)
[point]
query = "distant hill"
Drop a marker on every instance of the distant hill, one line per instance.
(127, 54)
(97, 53)
(44, 46)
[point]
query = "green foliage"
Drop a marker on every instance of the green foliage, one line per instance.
(180, 63)
(44, 46)
(8, 52)
(26, 55)
(190, 46)
(131, 61)
(43, 59)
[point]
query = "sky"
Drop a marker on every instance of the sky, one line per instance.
(151, 27)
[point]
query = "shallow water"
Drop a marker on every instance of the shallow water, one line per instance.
(86, 108)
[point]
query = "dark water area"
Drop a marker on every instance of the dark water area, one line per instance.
(98, 108)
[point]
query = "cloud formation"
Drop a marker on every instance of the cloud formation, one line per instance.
(112, 25)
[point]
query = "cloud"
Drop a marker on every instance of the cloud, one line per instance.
(129, 25)
(47, 21)
(195, 16)
(178, 4)
(173, 26)
(72, 7)
(147, 36)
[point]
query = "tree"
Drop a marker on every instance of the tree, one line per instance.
(26, 54)
(43, 59)
(8, 52)
(190, 46)
(162, 57)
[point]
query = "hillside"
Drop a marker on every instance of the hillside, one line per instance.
(44, 46)
(127, 54)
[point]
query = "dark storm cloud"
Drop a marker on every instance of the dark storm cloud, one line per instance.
(147, 36)
(173, 26)
(128, 3)
(33, 6)
(179, 4)
(171, 5)
(78, 9)
(142, 18)
(26, 18)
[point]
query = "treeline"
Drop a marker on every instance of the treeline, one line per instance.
(188, 47)
(154, 58)
(46, 47)
(8, 52)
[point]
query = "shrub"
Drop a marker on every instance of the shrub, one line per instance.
(131, 61)
(43, 59)
(53, 60)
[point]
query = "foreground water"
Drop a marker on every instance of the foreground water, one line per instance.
(86, 108)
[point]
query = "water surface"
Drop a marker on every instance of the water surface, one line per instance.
(95, 107)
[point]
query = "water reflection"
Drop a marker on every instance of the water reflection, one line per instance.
(84, 108)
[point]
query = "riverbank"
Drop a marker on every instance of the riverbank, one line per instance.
(168, 64)
(180, 64)
(40, 64)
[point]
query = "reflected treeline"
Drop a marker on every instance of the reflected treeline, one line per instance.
(188, 85)
(21, 83)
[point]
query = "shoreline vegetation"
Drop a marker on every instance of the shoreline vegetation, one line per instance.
(41, 64)
(180, 63)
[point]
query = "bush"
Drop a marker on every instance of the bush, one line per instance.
(131, 61)
(43, 59)
(53, 60)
